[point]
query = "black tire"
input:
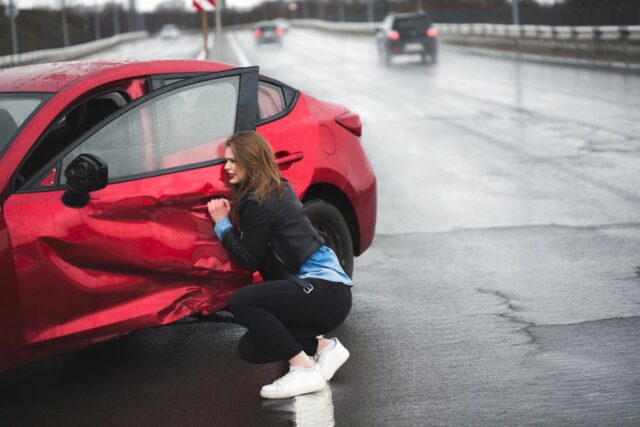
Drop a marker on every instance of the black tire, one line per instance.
(330, 223)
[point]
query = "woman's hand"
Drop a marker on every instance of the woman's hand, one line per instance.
(218, 209)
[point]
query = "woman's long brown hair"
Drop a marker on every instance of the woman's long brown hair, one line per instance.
(262, 176)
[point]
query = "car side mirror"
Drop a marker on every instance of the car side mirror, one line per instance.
(84, 174)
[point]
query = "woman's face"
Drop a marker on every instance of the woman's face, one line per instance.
(235, 172)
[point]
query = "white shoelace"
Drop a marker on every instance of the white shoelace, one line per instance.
(284, 379)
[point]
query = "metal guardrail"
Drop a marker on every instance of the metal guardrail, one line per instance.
(609, 43)
(613, 33)
(606, 46)
(68, 53)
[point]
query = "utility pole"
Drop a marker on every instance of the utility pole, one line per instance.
(341, 11)
(12, 13)
(65, 28)
(115, 18)
(514, 12)
(96, 21)
(320, 5)
(132, 16)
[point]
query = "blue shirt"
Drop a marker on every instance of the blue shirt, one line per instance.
(322, 264)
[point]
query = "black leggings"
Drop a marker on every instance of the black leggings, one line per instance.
(282, 320)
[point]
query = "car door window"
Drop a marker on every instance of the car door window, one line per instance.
(14, 111)
(178, 128)
(270, 100)
(67, 128)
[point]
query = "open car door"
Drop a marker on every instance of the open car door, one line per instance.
(141, 252)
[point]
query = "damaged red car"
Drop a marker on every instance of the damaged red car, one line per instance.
(105, 170)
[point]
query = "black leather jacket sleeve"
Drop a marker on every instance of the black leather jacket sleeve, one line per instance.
(250, 247)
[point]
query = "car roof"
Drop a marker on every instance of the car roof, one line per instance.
(410, 15)
(54, 77)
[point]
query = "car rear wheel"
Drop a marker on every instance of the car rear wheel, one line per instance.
(330, 223)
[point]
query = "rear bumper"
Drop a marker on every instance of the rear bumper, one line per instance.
(267, 39)
(410, 47)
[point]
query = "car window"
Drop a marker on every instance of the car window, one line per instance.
(177, 128)
(14, 111)
(67, 128)
(418, 23)
(270, 100)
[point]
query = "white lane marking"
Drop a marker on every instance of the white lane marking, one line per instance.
(315, 409)
(240, 55)
(413, 109)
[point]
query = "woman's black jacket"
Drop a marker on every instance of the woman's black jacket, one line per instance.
(276, 237)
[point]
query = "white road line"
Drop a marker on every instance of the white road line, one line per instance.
(315, 409)
(240, 55)
(413, 109)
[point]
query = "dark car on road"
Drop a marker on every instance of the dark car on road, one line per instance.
(268, 32)
(105, 171)
(407, 34)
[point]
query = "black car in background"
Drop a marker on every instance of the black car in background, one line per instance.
(407, 34)
(268, 32)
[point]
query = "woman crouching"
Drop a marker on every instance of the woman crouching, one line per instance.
(306, 292)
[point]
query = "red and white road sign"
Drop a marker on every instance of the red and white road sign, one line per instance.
(204, 5)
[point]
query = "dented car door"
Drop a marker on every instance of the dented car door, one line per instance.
(142, 251)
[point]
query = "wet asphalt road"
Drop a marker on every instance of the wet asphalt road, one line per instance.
(503, 286)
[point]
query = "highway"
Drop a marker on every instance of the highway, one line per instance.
(503, 286)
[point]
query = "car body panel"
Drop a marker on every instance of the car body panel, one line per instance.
(355, 178)
(290, 139)
(136, 253)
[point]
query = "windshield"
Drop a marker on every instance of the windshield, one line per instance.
(15, 109)
(414, 23)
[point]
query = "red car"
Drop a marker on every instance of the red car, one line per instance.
(105, 169)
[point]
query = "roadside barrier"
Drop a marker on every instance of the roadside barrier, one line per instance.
(68, 53)
(622, 42)
(605, 38)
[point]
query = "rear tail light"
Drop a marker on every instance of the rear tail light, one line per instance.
(351, 122)
(432, 32)
(258, 32)
(393, 35)
(279, 31)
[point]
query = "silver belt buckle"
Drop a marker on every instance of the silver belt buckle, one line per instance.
(307, 288)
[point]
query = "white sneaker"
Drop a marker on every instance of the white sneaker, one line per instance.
(329, 361)
(294, 383)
